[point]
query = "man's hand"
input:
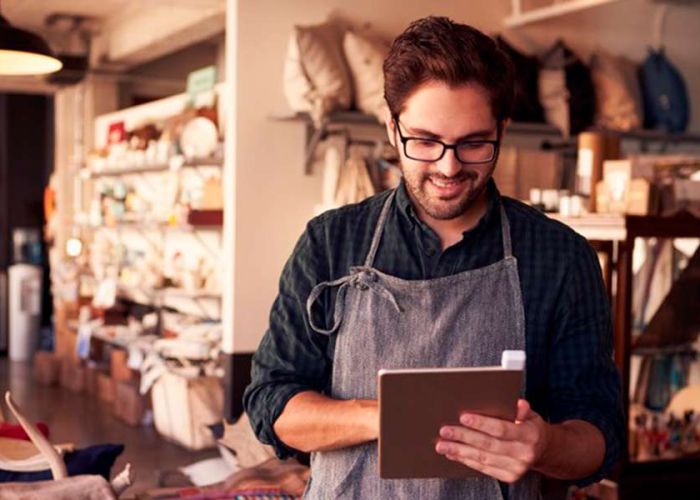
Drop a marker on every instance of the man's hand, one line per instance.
(503, 450)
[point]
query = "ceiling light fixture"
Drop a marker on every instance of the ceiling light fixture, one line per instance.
(24, 53)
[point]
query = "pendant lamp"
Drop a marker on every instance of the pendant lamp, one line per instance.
(24, 53)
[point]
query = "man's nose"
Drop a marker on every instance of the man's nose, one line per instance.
(449, 165)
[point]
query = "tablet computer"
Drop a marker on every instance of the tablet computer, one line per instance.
(415, 403)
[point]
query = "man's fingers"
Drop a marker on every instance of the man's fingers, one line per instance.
(500, 467)
(494, 427)
(483, 441)
(483, 457)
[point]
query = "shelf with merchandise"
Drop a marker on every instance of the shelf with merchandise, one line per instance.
(155, 296)
(92, 172)
(338, 123)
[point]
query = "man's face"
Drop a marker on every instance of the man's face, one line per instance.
(446, 188)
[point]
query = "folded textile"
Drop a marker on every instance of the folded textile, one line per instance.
(94, 460)
(15, 431)
(274, 479)
(72, 488)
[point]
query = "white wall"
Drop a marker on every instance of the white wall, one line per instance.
(274, 198)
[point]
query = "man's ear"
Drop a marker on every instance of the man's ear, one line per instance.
(502, 127)
(390, 126)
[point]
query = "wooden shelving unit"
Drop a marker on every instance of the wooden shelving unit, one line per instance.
(196, 235)
(637, 479)
(214, 162)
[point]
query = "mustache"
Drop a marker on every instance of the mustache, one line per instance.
(459, 177)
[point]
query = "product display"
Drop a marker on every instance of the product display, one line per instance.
(199, 138)
(649, 184)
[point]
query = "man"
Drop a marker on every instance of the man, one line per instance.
(443, 271)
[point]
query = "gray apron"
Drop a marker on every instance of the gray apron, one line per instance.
(382, 321)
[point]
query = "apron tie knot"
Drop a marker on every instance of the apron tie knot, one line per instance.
(362, 278)
(366, 278)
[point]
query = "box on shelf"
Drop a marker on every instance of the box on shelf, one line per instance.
(47, 368)
(65, 314)
(212, 197)
(624, 190)
(105, 387)
(129, 405)
(184, 406)
(72, 375)
(111, 316)
(119, 367)
(205, 217)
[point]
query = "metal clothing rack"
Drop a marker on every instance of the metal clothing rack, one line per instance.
(538, 135)
(339, 124)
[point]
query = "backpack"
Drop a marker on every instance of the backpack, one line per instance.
(666, 102)
(527, 107)
(566, 90)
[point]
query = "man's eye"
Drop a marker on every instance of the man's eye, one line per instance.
(472, 145)
(425, 143)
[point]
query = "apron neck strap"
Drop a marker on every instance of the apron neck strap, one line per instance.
(379, 229)
(505, 230)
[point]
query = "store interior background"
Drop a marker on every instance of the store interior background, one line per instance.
(152, 46)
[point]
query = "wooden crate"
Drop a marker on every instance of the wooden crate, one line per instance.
(129, 405)
(105, 387)
(72, 375)
(47, 368)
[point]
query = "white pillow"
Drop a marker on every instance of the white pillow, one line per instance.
(365, 57)
(316, 77)
(554, 97)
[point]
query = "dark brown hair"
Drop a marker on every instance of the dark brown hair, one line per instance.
(437, 48)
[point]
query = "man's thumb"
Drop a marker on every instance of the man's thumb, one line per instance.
(524, 411)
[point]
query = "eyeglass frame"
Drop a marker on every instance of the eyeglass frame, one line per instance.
(404, 139)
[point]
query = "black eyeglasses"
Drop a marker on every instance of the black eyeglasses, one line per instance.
(432, 150)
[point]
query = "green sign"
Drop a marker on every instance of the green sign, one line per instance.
(200, 82)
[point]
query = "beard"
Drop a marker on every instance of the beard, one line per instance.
(445, 198)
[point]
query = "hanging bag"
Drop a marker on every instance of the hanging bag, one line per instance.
(666, 102)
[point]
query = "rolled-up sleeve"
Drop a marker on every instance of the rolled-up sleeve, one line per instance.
(584, 381)
(291, 357)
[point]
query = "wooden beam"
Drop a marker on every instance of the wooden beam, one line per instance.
(137, 37)
(520, 17)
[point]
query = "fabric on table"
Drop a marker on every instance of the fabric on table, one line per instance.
(94, 460)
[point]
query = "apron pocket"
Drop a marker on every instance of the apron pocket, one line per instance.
(351, 472)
